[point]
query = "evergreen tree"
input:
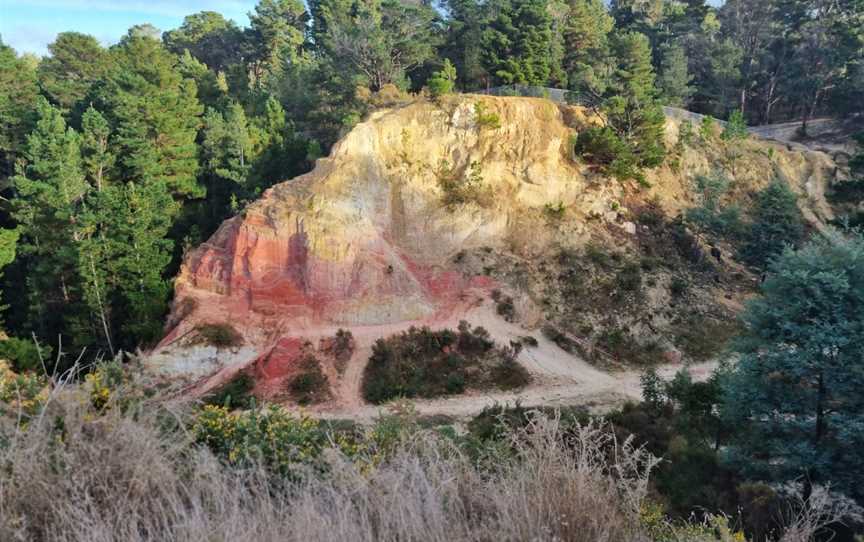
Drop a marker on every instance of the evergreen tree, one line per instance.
(777, 223)
(96, 154)
(49, 190)
(209, 37)
(442, 82)
(276, 33)
(586, 45)
(517, 42)
(154, 114)
(795, 395)
(674, 80)
(466, 20)
(76, 62)
(18, 91)
(376, 43)
(630, 103)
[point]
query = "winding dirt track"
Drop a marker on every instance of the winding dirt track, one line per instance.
(561, 379)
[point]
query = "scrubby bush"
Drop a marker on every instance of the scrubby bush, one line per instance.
(736, 127)
(442, 82)
(712, 216)
(777, 223)
(459, 189)
(424, 363)
(220, 335)
(310, 385)
(24, 355)
(236, 393)
(603, 148)
(486, 120)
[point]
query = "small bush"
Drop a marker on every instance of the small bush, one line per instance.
(486, 120)
(621, 345)
(603, 148)
(505, 308)
(310, 385)
(564, 342)
(442, 82)
(219, 335)
(554, 213)
(237, 393)
(528, 340)
(24, 355)
(459, 190)
(736, 127)
(707, 128)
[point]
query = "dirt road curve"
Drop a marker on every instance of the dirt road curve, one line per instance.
(561, 379)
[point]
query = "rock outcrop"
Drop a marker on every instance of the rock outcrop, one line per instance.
(369, 237)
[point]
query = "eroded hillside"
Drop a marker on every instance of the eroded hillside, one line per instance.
(428, 214)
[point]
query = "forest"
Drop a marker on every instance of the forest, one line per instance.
(117, 161)
(114, 161)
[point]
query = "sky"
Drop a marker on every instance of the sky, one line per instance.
(30, 25)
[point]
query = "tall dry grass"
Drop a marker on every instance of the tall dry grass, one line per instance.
(137, 477)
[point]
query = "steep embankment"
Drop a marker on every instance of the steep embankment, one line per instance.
(422, 211)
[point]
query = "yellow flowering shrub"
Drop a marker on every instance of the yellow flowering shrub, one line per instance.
(21, 393)
(272, 436)
(103, 382)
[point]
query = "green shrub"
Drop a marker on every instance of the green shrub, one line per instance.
(707, 128)
(777, 223)
(219, 335)
(236, 393)
(486, 120)
(24, 355)
(711, 216)
(736, 127)
(554, 213)
(424, 363)
(603, 148)
(310, 385)
(459, 190)
(625, 348)
(505, 308)
(442, 82)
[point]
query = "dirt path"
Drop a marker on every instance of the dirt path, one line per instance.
(561, 379)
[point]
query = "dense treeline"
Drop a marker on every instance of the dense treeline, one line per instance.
(115, 160)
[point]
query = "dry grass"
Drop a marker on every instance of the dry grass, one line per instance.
(138, 476)
(135, 474)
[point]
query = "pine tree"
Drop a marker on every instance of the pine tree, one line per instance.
(795, 395)
(277, 34)
(442, 82)
(76, 62)
(586, 44)
(630, 102)
(209, 38)
(674, 80)
(96, 154)
(50, 188)
(517, 42)
(18, 91)
(154, 114)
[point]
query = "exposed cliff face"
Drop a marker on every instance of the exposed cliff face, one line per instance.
(365, 239)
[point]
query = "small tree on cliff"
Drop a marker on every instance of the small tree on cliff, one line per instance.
(442, 82)
(634, 133)
(796, 392)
